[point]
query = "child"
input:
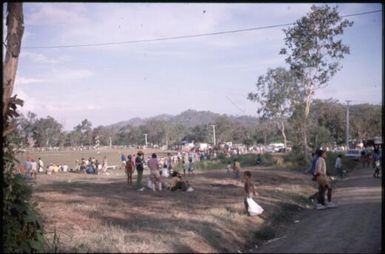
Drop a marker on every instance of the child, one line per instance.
(237, 168)
(252, 208)
(129, 169)
(190, 166)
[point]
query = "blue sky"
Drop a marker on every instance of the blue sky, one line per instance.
(108, 84)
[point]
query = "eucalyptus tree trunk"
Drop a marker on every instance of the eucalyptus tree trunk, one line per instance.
(305, 128)
(15, 30)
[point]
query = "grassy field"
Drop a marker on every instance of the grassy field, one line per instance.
(101, 213)
(69, 157)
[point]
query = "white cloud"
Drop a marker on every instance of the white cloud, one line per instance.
(55, 13)
(65, 74)
(39, 58)
(25, 81)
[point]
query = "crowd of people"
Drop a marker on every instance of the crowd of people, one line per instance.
(90, 166)
(159, 171)
(169, 172)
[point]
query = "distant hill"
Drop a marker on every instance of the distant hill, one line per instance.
(188, 118)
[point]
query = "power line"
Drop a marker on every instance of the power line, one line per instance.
(239, 108)
(183, 36)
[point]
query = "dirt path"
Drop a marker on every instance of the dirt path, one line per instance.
(353, 227)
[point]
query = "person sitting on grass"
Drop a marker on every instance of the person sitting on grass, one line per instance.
(179, 183)
(83, 165)
(91, 169)
(164, 171)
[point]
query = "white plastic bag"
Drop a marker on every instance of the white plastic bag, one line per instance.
(253, 207)
(149, 184)
(165, 172)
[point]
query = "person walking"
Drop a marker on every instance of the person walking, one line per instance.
(139, 162)
(377, 163)
(338, 166)
(323, 183)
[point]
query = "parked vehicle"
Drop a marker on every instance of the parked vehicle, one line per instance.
(354, 154)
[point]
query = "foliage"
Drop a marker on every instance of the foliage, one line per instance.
(365, 121)
(314, 50)
(22, 227)
(47, 132)
(326, 125)
(276, 93)
(331, 115)
(320, 136)
(84, 132)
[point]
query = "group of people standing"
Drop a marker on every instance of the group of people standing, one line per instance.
(158, 172)
(30, 167)
(372, 158)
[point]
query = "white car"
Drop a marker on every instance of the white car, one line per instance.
(354, 154)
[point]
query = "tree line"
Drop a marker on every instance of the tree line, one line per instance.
(327, 126)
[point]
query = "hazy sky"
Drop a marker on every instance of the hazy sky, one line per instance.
(107, 84)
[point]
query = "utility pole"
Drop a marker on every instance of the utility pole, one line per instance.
(145, 139)
(213, 133)
(347, 124)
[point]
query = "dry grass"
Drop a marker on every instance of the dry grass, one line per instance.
(99, 213)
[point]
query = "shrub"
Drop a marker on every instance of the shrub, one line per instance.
(22, 227)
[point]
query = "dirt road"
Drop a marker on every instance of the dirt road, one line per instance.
(353, 227)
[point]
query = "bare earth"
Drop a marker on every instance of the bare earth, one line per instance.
(99, 213)
(353, 227)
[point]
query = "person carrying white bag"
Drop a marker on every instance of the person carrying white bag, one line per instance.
(252, 208)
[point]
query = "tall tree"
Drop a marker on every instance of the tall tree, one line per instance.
(331, 115)
(365, 121)
(276, 93)
(48, 132)
(84, 132)
(314, 50)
